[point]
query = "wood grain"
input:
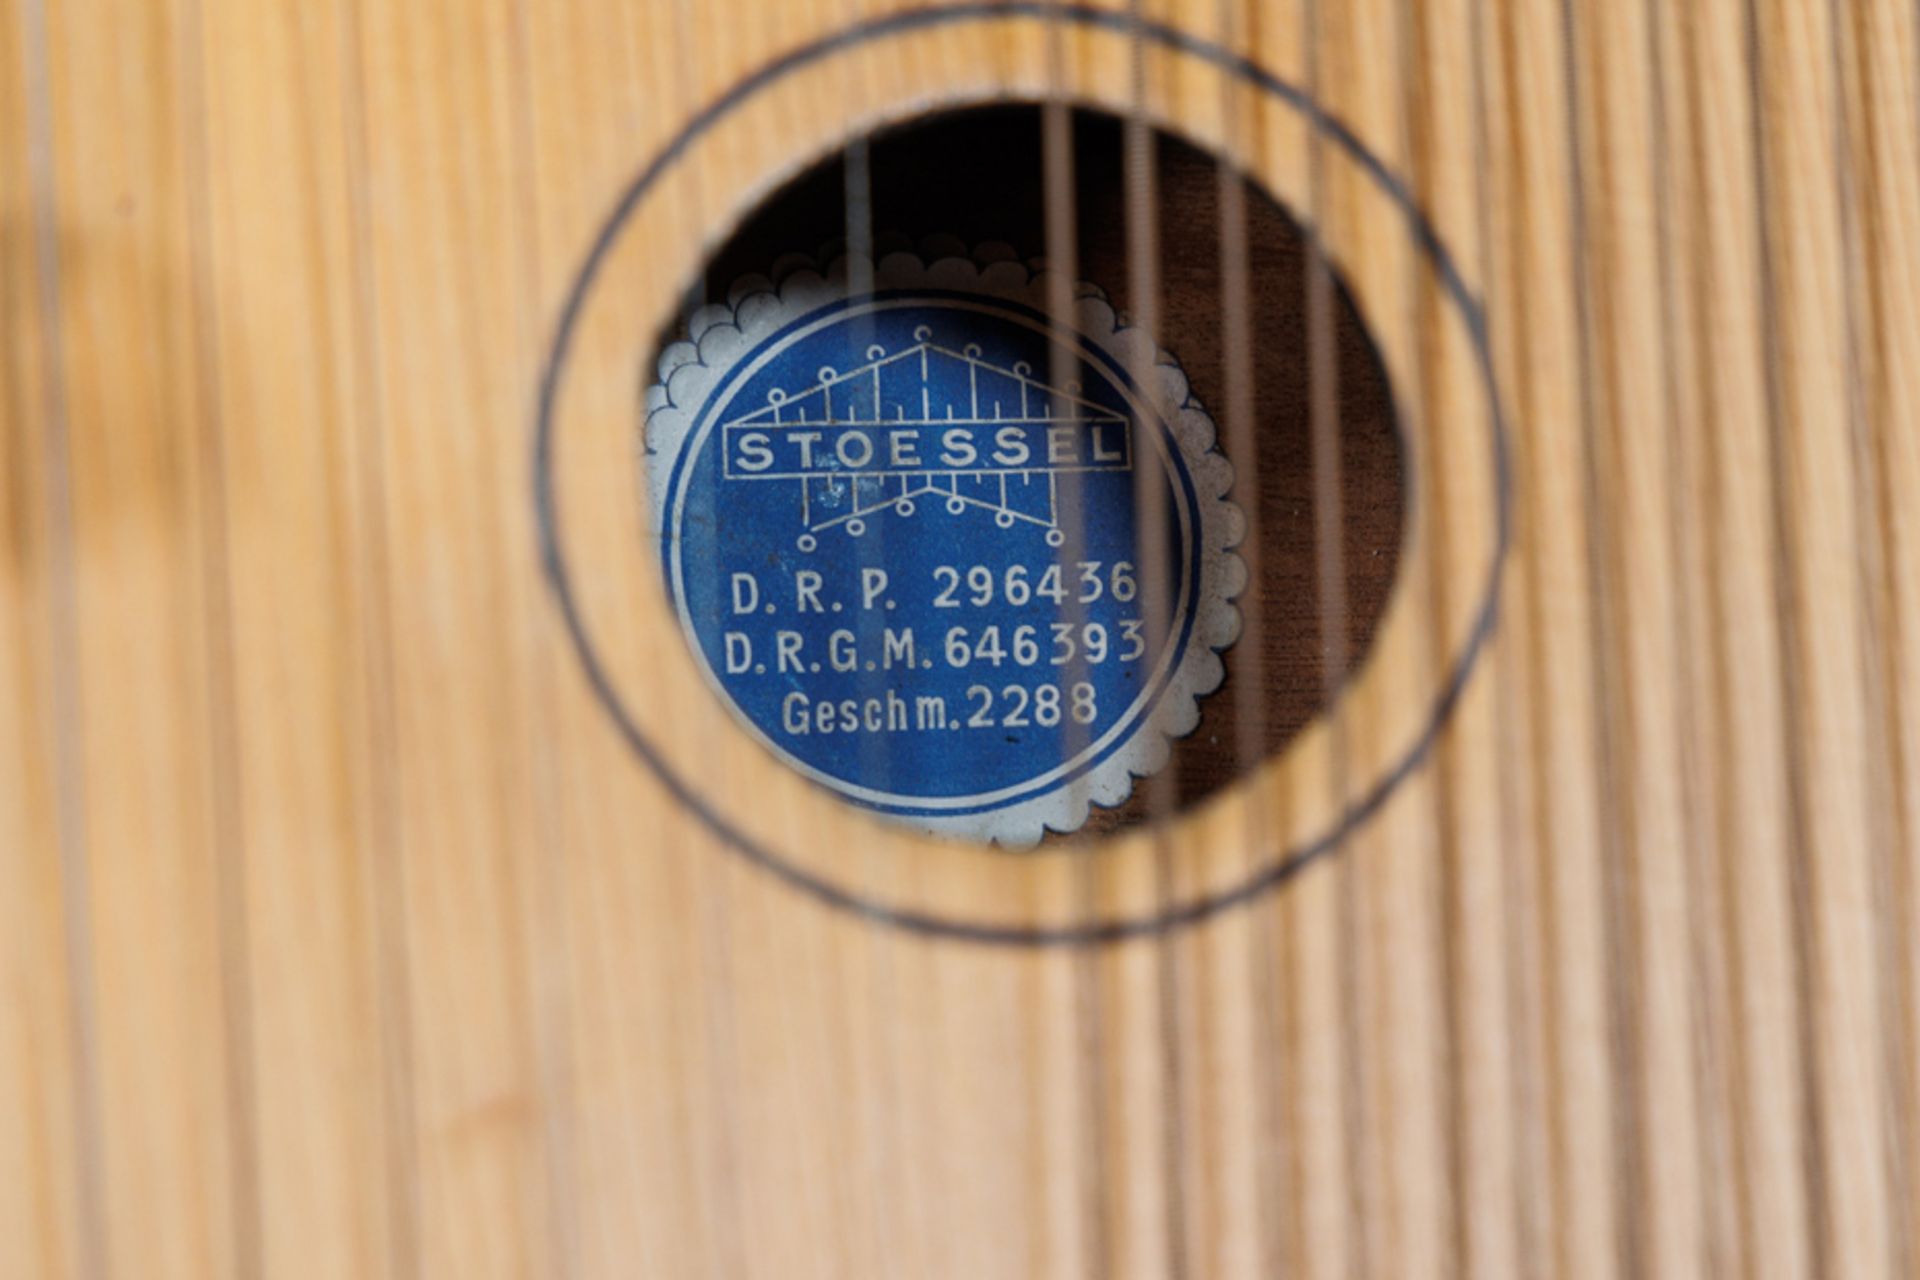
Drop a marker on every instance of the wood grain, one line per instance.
(342, 933)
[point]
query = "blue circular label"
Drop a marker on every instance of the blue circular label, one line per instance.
(900, 531)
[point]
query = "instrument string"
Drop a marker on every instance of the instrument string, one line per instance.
(382, 837)
(1906, 862)
(413, 890)
(1721, 678)
(91, 1226)
(1879, 692)
(765, 925)
(547, 933)
(603, 964)
(1242, 441)
(1700, 836)
(1060, 208)
(710, 886)
(1450, 985)
(1331, 607)
(228, 828)
(1140, 173)
(1527, 1160)
(1618, 910)
(372, 829)
(1786, 620)
(1906, 858)
(882, 1160)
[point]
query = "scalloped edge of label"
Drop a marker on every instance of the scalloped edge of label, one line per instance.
(757, 306)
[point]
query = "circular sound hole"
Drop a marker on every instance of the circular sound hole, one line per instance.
(978, 176)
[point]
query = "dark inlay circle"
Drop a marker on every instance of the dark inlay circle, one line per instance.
(1273, 866)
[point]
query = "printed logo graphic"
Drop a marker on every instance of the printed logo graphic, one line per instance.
(901, 531)
(850, 439)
